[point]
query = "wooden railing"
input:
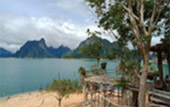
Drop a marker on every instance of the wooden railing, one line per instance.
(104, 99)
(110, 103)
(159, 98)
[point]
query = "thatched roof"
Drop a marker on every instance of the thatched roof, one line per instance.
(161, 47)
(101, 79)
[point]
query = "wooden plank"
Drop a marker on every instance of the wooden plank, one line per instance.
(111, 102)
(159, 100)
(162, 92)
(154, 92)
(132, 88)
(159, 95)
(156, 105)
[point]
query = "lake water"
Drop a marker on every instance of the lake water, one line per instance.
(26, 75)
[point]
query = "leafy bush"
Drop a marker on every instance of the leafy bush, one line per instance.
(64, 88)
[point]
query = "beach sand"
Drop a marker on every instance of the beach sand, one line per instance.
(41, 99)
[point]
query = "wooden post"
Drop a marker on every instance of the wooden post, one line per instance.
(123, 96)
(113, 92)
(95, 94)
(85, 92)
(168, 60)
(130, 98)
(99, 92)
(160, 66)
(104, 88)
(98, 99)
(118, 96)
(91, 93)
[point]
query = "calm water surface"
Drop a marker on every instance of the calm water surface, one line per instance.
(26, 75)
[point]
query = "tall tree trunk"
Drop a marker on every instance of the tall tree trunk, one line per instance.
(142, 86)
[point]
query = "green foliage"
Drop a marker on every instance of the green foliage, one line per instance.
(126, 17)
(77, 53)
(95, 70)
(116, 52)
(64, 87)
(82, 71)
(112, 16)
(167, 31)
(93, 34)
(129, 67)
(105, 50)
(153, 69)
(103, 65)
(83, 74)
(120, 83)
(93, 49)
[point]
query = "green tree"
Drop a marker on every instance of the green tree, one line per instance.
(136, 21)
(93, 50)
(64, 88)
(83, 73)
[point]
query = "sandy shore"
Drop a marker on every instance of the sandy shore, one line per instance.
(40, 99)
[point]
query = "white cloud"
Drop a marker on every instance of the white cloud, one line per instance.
(156, 40)
(16, 30)
(74, 9)
(58, 21)
(69, 5)
(65, 4)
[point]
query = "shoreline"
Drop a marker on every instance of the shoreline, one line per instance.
(85, 59)
(15, 95)
(61, 58)
(40, 99)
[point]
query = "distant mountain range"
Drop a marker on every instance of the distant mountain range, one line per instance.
(59, 52)
(5, 53)
(36, 49)
(39, 49)
(107, 46)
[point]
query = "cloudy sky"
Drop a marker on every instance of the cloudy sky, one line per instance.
(59, 22)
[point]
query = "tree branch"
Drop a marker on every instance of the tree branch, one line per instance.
(158, 15)
(137, 74)
(53, 95)
(135, 28)
(127, 9)
(151, 24)
(116, 36)
(141, 16)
